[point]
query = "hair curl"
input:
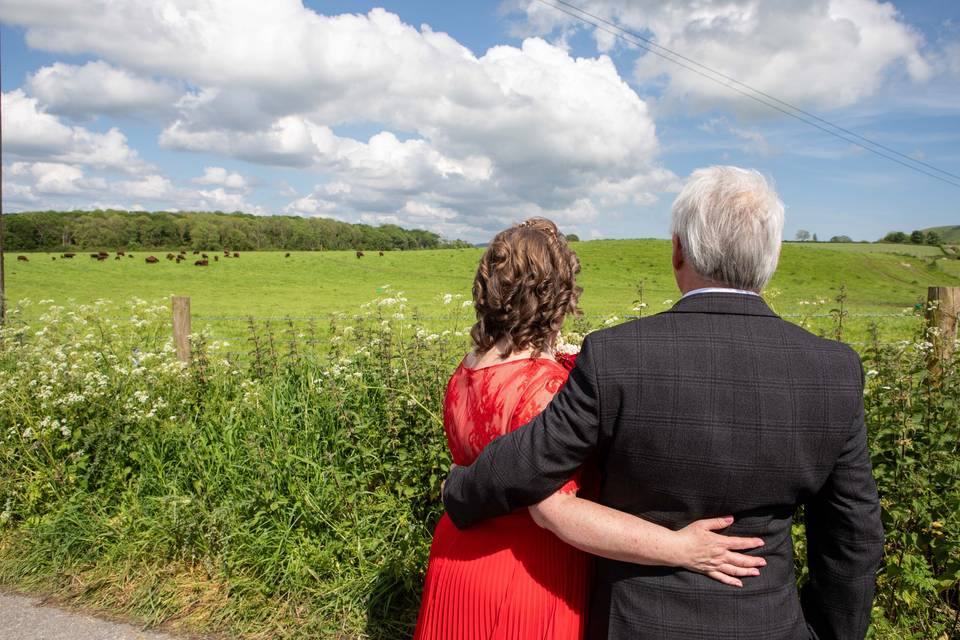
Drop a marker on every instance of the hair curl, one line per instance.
(524, 288)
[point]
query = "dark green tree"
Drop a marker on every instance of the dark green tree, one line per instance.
(897, 237)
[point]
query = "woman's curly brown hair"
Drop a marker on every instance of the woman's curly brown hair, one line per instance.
(524, 288)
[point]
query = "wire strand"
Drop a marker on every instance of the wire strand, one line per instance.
(756, 95)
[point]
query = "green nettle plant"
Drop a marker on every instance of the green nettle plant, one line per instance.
(286, 485)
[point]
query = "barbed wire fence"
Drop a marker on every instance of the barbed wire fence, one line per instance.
(240, 335)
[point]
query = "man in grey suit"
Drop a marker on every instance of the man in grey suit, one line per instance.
(715, 406)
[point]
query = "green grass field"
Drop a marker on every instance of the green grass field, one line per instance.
(879, 280)
(916, 250)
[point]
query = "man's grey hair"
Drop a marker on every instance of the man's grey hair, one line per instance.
(730, 223)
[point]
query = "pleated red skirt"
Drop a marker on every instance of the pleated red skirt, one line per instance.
(506, 579)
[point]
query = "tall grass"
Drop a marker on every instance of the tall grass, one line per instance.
(291, 492)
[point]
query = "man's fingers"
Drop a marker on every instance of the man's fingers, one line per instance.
(724, 578)
(743, 560)
(741, 572)
(742, 543)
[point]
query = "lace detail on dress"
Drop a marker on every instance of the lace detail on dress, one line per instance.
(483, 404)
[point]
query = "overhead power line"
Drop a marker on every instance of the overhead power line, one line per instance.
(756, 95)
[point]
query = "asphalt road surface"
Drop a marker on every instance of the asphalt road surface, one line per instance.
(26, 618)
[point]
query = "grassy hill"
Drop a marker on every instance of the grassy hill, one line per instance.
(266, 284)
(918, 250)
(950, 234)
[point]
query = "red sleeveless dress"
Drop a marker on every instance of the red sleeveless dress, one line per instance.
(504, 579)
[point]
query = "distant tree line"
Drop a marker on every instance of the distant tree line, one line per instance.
(805, 236)
(917, 237)
(895, 237)
(112, 229)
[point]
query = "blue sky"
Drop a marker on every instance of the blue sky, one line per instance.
(464, 117)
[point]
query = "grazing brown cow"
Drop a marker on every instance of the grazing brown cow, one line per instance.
(170, 256)
(359, 254)
(151, 260)
(236, 254)
(23, 258)
(103, 254)
(120, 253)
(69, 255)
(201, 263)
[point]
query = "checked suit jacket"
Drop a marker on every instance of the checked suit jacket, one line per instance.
(715, 407)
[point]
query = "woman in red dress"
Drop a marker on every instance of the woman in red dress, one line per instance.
(525, 575)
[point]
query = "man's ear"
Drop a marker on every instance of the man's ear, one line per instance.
(677, 253)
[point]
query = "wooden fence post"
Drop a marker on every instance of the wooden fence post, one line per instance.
(181, 326)
(943, 310)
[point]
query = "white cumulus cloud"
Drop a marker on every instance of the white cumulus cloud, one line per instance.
(98, 88)
(51, 185)
(825, 53)
(220, 177)
(32, 133)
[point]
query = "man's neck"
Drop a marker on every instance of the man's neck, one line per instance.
(696, 284)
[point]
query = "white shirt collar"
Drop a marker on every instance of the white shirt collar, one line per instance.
(696, 292)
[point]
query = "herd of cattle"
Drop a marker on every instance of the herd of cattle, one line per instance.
(178, 257)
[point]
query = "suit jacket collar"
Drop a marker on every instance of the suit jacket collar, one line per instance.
(723, 303)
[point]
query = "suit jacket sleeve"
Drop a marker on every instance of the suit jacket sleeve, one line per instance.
(844, 543)
(527, 465)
